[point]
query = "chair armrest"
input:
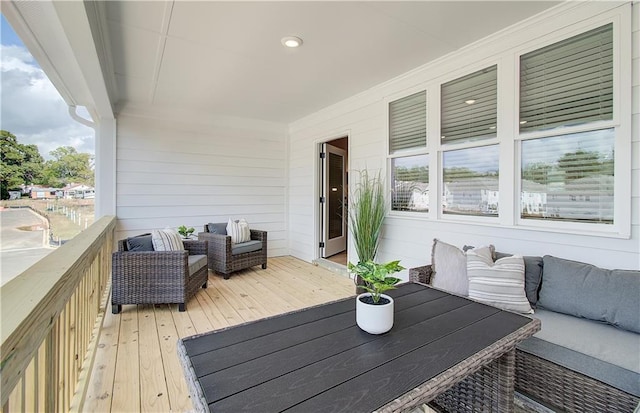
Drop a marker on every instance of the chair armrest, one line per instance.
(421, 274)
(258, 235)
(213, 238)
(152, 264)
(195, 247)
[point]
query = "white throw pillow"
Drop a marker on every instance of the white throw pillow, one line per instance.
(500, 284)
(166, 240)
(449, 265)
(239, 231)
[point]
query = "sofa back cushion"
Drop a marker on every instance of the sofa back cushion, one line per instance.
(217, 228)
(139, 243)
(532, 275)
(587, 291)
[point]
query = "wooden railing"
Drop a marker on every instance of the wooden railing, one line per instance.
(51, 318)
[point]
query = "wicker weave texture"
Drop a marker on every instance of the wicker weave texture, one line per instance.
(483, 382)
(421, 274)
(219, 252)
(155, 277)
(567, 390)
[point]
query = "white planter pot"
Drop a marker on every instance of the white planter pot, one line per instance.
(374, 319)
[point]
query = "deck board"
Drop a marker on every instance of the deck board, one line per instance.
(137, 367)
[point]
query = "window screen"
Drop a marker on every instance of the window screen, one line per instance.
(469, 106)
(408, 122)
(569, 82)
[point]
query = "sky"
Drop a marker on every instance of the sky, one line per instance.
(30, 106)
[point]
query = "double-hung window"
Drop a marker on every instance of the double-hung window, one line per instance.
(567, 131)
(468, 128)
(407, 150)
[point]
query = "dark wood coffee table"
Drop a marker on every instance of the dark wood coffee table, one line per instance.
(443, 348)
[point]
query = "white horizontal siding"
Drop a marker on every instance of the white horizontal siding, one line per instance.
(171, 173)
(364, 118)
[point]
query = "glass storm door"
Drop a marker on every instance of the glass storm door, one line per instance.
(332, 201)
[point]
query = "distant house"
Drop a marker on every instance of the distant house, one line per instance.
(40, 192)
(78, 191)
(586, 198)
(474, 195)
(533, 198)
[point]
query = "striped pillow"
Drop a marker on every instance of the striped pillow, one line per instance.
(239, 231)
(166, 240)
(500, 284)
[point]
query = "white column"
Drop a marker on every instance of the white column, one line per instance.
(105, 172)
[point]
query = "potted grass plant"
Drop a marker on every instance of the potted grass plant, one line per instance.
(374, 310)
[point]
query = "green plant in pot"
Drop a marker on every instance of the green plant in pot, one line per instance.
(367, 210)
(185, 232)
(374, 310)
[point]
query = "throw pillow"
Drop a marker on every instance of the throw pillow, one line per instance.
(584, 290)
(449, 265)
(140, 243)
(500, 284)
(239, 231)
(167, 240)
(532, 275)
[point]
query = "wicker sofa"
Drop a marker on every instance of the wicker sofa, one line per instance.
(574, 362)
(157, 277)
(226, 257)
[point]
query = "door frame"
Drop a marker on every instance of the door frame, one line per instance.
(317, 191)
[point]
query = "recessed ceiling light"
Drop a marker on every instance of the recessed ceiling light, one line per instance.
(522, 122)
(291, 41)
(492, 127)
(470, 101)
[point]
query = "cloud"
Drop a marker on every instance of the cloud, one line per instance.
(33, 110)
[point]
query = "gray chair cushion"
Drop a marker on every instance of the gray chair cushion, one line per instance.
(586, 291)
(140, 243)
(218, 227)
(244, 247)
(594, 349)
(196, 262)
(532, 275)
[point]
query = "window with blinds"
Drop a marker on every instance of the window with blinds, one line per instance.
(410, 177)
(469, 107)
(471, 181)
(568, 83)
(569, 177)
(408, 123)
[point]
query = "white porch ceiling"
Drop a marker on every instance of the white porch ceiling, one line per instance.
(225, 58)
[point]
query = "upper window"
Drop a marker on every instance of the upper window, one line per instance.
(469, 107)
(408, 123)
(568, 83)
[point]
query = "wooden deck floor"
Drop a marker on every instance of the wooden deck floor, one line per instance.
(137, 368)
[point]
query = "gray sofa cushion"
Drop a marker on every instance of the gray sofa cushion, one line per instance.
(532, 275)
(244, 247)
(218, 227)
(586, 291)
(594, 349)
(140, 243)
(196, 262)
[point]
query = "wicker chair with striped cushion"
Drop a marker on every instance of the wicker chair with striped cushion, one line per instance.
(157, 277)
(226, 257)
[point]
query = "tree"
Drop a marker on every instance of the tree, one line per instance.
(19, 164)
(580, 164)
(537, 172)
(68, 166)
